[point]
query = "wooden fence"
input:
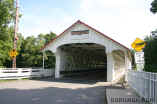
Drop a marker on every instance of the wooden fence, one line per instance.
(18, 73)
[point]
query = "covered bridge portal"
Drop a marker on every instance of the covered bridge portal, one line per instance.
(82, 48)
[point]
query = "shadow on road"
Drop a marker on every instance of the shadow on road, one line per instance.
(70, 80)
(115, 87)
(79, 78)
(53, 95)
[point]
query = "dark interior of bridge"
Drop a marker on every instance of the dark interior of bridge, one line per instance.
(87, 61)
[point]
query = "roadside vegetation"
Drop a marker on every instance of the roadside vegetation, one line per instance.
(150, 50)
(150, 54)
(29, 54)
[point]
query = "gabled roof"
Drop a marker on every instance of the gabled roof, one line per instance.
(80, 22)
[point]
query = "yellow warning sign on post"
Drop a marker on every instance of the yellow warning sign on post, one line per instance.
(138, 44)
(13, 53)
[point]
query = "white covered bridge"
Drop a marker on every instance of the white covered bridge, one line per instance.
(81, 48)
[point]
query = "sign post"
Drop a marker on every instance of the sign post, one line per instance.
(13, 53)
(138, 45)
(139, 59)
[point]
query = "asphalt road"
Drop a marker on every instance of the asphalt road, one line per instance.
(63, 91)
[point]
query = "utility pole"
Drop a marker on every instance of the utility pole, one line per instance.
(15, 34)
(43, 59)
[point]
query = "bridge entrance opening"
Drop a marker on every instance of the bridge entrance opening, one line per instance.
(87, 61)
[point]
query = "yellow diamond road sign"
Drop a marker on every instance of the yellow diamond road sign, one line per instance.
(138, 44)
(13, 53)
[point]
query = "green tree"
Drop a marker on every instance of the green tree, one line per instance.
(28, 49)
(132, 52)
(50, 59)
(150, 54)
(7, 12)
(153, 8)
(31, 55)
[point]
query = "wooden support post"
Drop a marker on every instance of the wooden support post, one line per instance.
(15, 34)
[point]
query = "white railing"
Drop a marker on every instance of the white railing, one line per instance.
(145, 84)
(18, 73)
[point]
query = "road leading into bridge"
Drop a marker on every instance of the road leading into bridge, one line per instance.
(63, 91)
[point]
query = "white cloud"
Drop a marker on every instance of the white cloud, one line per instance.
(122, 20)
(56, 21)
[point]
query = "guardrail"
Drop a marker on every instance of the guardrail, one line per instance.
(145, 84)
(18, 73)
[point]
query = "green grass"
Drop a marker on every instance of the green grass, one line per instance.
(7, 80)
(10, 80)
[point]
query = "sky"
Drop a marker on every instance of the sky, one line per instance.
(122, 20)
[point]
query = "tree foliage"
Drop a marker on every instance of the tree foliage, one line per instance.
(150, 54)
(153, 8)
(30, 54)
(28, 49)
(7, 12)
